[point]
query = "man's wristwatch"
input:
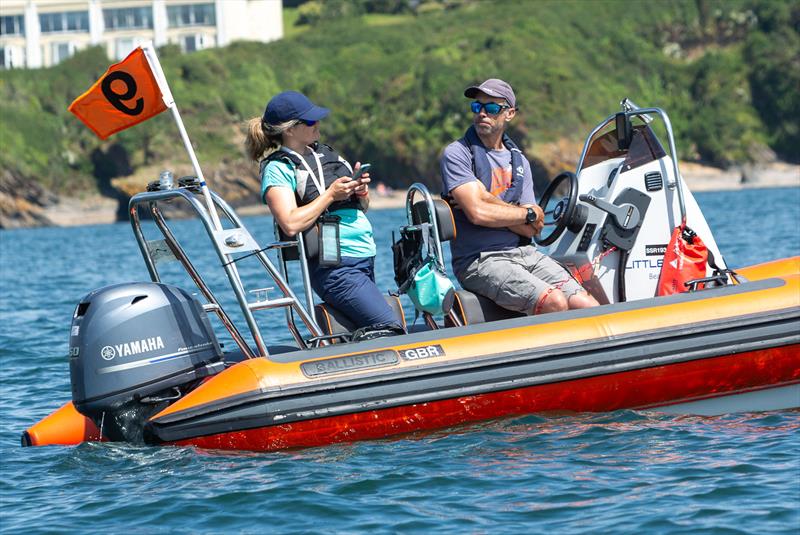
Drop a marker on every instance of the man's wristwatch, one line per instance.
(530, 218)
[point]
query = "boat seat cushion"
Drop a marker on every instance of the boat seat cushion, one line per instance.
(472, 308)
(444, 217)
(332, 321)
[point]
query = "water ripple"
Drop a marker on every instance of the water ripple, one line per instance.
(621, 472)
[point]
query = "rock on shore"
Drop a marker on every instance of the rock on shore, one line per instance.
(23, 203)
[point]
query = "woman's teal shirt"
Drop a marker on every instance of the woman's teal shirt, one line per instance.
(355, 230)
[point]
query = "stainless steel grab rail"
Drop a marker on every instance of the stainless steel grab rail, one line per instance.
(630, 109)
(238, 236)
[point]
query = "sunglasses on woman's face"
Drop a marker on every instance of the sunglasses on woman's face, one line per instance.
(308, 123)
(492, 108)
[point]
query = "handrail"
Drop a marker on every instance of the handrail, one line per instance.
(300, 246)
(630, 109)
(417, 187)
(228, 263)
(283, 285)
(172, 243)
(426, 195)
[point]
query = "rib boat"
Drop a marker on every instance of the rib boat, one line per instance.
(146, 365)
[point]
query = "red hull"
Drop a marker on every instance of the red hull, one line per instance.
(651, 387)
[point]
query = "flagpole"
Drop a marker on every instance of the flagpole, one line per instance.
(155, 66)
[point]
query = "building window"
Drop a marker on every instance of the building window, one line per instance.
(190, 43)
(69, 21)
(191, 15)
(12, 25)
(123, 47)
(127, 18)
(61, 51)
(78, 21)
(11, 57)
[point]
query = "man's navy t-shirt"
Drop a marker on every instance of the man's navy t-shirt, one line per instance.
(472, 240)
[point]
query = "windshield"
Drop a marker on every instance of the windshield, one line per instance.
(644, 148)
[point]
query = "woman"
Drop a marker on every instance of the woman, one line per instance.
(303, 181)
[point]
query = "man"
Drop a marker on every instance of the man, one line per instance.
(489, 183)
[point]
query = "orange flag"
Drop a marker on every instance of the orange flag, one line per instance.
(125, 95)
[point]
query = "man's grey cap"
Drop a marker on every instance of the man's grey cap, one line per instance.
(494, 87)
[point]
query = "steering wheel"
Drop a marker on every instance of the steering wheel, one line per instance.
(561, 213)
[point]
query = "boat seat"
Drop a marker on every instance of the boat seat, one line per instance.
(471, 308)
(332, 321)
(329, 319)
(444, 217)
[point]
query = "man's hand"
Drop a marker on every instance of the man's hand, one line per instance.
(538, 225)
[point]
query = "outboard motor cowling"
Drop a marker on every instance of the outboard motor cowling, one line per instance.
(133, 348)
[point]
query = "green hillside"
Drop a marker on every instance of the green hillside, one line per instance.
(727, 72)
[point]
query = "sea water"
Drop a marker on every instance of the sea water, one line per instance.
(626, 471)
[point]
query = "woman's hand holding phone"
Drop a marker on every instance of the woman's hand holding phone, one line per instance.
(361, 177)
(342, 188)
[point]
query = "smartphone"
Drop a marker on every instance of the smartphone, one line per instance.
(361, 170)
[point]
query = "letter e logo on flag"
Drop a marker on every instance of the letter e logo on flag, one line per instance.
(125, 95)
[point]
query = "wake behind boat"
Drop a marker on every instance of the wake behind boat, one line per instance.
(146, 366)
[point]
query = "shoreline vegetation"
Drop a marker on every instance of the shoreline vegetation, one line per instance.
(726, 72)
(98, 210)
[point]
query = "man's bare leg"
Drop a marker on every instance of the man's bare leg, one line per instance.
(582, 300)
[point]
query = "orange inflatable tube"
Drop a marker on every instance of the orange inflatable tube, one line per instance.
(67, 426)
(64, 427)
(774, 268)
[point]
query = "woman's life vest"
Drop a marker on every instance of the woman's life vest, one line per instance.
(307, 169)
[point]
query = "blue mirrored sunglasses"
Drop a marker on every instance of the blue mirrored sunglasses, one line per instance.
(492, 108)
(308, 123)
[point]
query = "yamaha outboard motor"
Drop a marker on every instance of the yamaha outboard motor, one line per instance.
(135, 348)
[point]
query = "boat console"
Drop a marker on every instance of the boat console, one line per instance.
(610, 221)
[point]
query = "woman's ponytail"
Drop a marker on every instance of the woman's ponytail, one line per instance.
(263, 138)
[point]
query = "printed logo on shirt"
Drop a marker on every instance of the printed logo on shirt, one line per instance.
(501, 180)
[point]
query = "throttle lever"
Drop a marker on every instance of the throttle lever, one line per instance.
(627, 215)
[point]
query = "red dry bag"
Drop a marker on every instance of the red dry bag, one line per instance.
(686, 259)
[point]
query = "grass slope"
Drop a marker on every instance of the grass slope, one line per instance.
(395, 85)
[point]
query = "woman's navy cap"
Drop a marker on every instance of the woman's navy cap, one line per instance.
(291, 105)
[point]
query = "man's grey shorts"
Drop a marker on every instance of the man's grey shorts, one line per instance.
(517, 279)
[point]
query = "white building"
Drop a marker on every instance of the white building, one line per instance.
(41, 33)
